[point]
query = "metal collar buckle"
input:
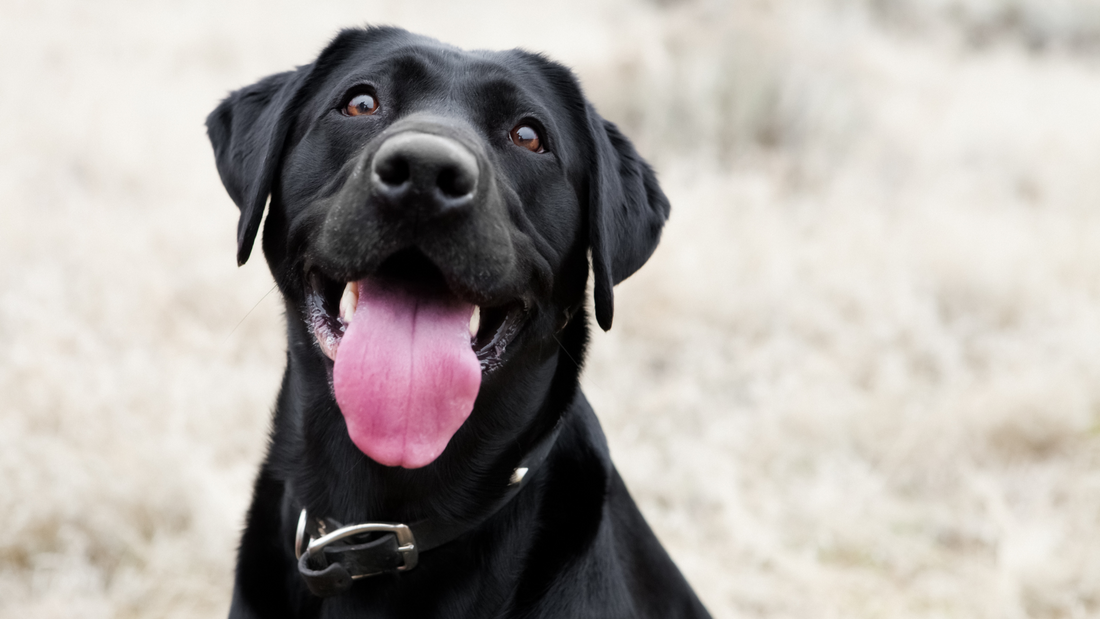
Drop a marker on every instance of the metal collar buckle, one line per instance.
(406, 541)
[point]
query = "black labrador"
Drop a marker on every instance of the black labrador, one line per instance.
(431, 215)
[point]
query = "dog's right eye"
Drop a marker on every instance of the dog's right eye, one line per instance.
(363, 104)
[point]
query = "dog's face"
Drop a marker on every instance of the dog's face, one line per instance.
(431, 215)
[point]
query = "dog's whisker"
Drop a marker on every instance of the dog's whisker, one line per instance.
(241, 321)
(564, 350)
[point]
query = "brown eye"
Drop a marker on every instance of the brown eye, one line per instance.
(527, 137)
(361, 105)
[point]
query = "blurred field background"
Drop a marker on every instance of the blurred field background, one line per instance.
(860, 377)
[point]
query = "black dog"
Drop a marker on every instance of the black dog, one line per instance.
(431, 213)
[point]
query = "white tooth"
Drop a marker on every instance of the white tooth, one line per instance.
(348, 302)
(475, 321)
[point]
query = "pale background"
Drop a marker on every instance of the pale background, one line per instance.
(860, 377)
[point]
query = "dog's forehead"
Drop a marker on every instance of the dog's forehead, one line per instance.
(509, 78)
(488, 91)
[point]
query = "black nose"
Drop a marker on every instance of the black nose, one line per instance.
(424, 171)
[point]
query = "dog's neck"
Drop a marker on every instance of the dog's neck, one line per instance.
(333, 478)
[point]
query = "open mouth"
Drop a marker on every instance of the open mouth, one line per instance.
(331, 306)
(408, 355)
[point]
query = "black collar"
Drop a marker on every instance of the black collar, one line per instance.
(332, 555)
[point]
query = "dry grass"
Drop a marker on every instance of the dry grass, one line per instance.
(860, 378)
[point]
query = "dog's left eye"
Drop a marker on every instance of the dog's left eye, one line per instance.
(363, 104)
(527, 137)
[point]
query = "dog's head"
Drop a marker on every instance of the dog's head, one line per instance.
(431, 213)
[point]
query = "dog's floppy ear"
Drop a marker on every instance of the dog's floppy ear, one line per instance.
(626, 211)
(248, 130)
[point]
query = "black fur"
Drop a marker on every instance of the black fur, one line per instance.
(572, 543)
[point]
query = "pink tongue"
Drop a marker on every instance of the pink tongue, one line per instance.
(405, 375)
